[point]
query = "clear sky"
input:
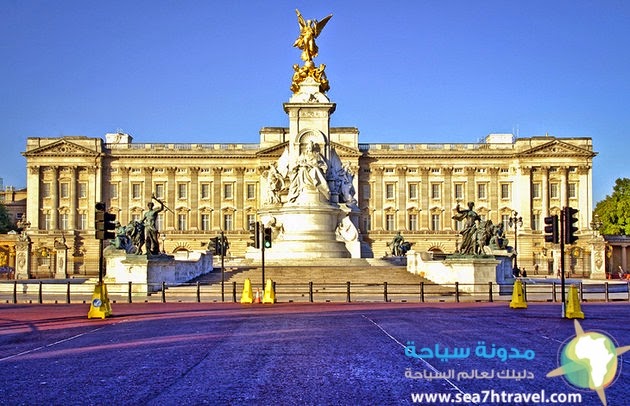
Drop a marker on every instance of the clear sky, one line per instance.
(400, 71)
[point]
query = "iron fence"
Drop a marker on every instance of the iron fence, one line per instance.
(80, 291)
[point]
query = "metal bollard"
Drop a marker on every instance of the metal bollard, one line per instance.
(198, 292)
(422, 292)
(385, 292)
(163, 292)
(68, 292)
(457, 292)
(129, 290)
(310, 292)
(490, 291)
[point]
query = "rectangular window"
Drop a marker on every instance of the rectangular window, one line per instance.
(63, 221)
(554, 191)
(390, 191)
(572, 190)
(205, 222)
(389, 222)
(505, 191)
(435, 191)
(82, 221)
(136, 190)
(536, 191)
(113, 190)
(413, 222)
(535, 221)
(182, 223)
(435, 222)
(64, 190)
(413, 191)
(205, 191)
(459, 191)
(227, 222)
(251, 219)
(47, 221)
(182, 190)
(82, 190)
(159, 190)
(482, 191)
(251, 191)
(227, 191)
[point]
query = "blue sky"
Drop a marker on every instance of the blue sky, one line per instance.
(400, 71)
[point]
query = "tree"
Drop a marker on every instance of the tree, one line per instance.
(614, 210)
(5, 220)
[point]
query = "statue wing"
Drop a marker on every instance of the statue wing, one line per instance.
(319, 26)
(300, 19)
(283, 163)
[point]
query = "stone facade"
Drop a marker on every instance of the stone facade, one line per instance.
(411, 187)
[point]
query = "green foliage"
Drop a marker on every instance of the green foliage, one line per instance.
(5, 220)
(614, 210)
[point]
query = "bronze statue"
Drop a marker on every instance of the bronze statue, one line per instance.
(150, 227)
(309, 30)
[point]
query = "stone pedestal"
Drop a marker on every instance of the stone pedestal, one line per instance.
(61, 262)
(22, 259)
(598, 258)
(472, 273)
(305, 231)
(146, 273)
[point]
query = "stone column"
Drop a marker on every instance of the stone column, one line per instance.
(124, 195)
(34, 199)
(564, 195)
(194, 198)
(72, 215)
(54, 198)
(544, 186)
(239, 199)
(378, 199)
(525, 208)
(448, 198)
(424, 214)
(493, 195)
(217, 221)
(401, 213)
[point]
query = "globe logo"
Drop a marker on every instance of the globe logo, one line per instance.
(589, 361)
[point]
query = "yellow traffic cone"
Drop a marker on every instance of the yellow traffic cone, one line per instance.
(269, 296)
(574, 310)
(246, 298)
(100, 307)
(518, 299)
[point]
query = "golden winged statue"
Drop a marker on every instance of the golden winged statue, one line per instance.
(309, 30)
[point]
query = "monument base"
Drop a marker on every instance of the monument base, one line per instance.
(303, 231)
(471, 272)
(146, 273)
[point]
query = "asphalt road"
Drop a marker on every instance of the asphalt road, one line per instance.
(291, 354)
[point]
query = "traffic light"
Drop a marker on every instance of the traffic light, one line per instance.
(570, 218)
(254, 235)
(267, 237)
(105, 223)
(551, 229)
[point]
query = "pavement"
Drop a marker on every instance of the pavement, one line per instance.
(294, 353)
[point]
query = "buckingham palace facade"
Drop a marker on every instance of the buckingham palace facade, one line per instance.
(411, 188)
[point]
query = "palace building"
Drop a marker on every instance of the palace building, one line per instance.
(411, 188)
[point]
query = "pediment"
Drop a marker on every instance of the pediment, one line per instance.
(557, 148)
(61, 148)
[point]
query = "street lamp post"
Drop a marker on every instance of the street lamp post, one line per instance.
(516, 222)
